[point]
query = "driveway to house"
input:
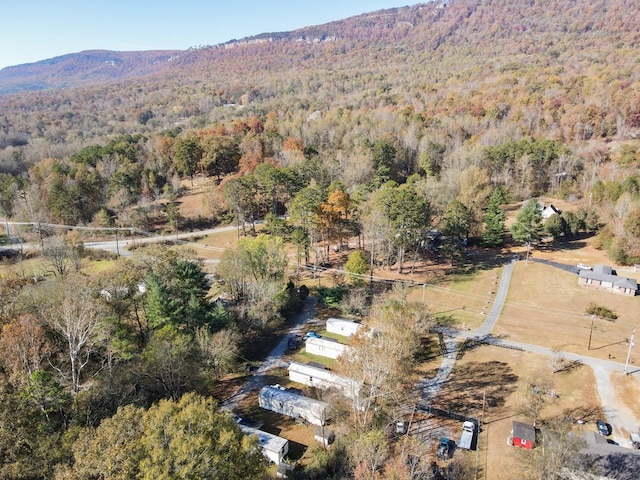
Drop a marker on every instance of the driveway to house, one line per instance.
(274, 359)
(617, 414)
(561, 266)
(498, 302)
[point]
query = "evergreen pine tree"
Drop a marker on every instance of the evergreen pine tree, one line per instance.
(494, 220)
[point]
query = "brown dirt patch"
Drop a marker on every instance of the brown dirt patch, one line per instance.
(546, 306)
(499, 377)
(627, 391)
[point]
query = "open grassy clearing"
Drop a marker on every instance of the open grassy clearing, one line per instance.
(463, 299)
(546, 306)
(500, 376)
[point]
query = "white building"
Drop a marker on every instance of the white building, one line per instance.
(342, 326)
(323, 379)
(280, 400)
(273, 447)
(325, 347)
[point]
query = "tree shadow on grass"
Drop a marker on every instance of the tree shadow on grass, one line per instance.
(296, 450)
(560, 245)
(480, 259)
(472, 382)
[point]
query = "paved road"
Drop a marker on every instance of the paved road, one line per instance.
(121, 246)
(561, 266)
(618, 415)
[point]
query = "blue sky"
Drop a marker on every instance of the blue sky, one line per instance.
(32, 30)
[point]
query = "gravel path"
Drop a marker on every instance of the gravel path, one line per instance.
(616, 414)
(274, 359)
(430, 387)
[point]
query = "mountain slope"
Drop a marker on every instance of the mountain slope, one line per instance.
(84, 68)
(562, 69)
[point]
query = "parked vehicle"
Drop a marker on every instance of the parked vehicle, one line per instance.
(583, 266)
(466, 439)
(635, 440)
(312, 335)
(402, 427)
(603, 427)
(444, 448)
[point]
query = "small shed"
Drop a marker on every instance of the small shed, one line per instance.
(280, 400)
(325, 347)
(342, 326)
(273, 447)
(323, 379)
(524, 435)
(324, 436)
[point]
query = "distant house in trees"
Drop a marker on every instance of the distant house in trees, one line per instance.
(604, 277)
(273, 447)
(523, 435)
(342, 326)
(325, 347)
(549, 211)
(280, 400)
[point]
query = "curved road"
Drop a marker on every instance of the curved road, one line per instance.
(616, 414)
(258, 378)
(620, 417)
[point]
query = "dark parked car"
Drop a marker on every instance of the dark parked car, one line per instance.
(603, 427)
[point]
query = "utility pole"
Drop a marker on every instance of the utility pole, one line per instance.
(626, 365)
(590, 332)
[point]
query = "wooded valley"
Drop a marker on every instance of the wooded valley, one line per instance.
(405, 130)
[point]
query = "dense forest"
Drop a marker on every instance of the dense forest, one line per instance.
(383, 127)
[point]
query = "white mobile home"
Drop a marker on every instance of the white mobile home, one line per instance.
(342, 326)
(325, 347)
(323, 379)
(280, 400)
(273, 447)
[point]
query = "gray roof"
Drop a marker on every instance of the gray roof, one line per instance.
(604, 273)
(608, 460)
(524, 431)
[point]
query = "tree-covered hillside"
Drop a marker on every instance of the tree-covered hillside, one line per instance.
(405, 131)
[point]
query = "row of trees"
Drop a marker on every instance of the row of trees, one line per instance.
(117, 183)
(76, 349)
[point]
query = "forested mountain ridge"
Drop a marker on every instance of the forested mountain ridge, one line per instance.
(530, 94)
(84, 68)
(435, 57)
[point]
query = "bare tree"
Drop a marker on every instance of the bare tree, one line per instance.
(58, 256)
(381, 356)
(220, 350)
(76, 314)
(536, 396)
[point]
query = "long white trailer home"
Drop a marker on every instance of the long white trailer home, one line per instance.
(325, 347)
(342, 326)
(280, 400)
(323, 379)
